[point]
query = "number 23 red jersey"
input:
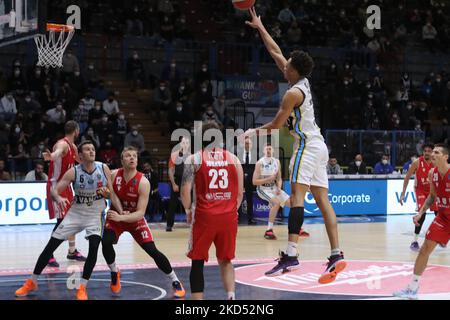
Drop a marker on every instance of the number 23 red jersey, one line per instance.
(216, 184)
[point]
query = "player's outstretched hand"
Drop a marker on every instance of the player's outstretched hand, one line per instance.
(416, 219)
(104, 192)
(114, 216)
(256, 22)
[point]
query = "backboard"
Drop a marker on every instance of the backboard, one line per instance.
(19, 20)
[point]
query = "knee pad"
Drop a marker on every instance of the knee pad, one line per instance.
(196, 276)
(295, 222)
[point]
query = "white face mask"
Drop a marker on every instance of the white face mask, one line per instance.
(17, 130)
(358, 163)
(27, 99)
(135, 133)
(179, 109)
(384, 162)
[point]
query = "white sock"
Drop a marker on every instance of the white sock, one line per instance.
(72, 247)
(335, 252)
(84, 282)
(113, 267)
(416, 237)
(414, 284)
(173, 276)
(231, 296)
(270, 226)
(34, 277)
(291, 249)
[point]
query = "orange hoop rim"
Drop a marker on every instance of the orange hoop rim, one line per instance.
(59, 27)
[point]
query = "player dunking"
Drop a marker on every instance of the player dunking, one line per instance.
(91, 183)
(421, 167)
(61, 160)
(310, 157)
(439, 230)
(218, 180)
(133, 190)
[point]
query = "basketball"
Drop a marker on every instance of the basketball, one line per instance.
(243, 4)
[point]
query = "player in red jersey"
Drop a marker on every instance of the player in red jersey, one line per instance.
(219, 185)
(133, 190)
(439, 230)
(421, 167)
(61, 160)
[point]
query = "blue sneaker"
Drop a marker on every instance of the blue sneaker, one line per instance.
(285, 264)
(406, 293)
(414, 246)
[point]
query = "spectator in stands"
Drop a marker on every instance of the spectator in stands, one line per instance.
(111, 106)
(172, 75)
(108, 155)
(8, 109)
(96, 114)
(203, 75)
(37, 150)
(203, 98)
(421, 112)
(178, 118)
(88, 101)
(70, 64)
(383, 167)
(92, 76)
(4, 174)
(57, 115)
(135, 25)
(37, 174)
(48, 95)
(407, 164)
(30, 106)
(294, 34)
(182, 31)
(333, 167)
(120, 129)
(3, 81)
(220, 108)
(77, 83)
(374, 45)
(20, 162)
(81, 115)
(104, 128)
(165, 7)
(167, 28)
(183, 93)
(135, 139)
(162, 100)
(286, 16)
(99, 93)
(357, 166)
(438, 89)
(91, 136)
(17, 82)
(135, 71)
(211, 117)
(36, 80)
(429, 34)
(154, 198)
(427, 89)
(407, 116)
(4, 140)
(68, 96)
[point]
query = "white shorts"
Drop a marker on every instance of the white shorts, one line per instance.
(269, 194)
(309, 163)
(75, 222)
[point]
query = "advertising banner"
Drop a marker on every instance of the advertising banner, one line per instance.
(254, 93)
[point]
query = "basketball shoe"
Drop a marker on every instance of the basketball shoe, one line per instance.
(270, 235)
(414, 246)
(178, 290)
(28, 286)
(115, 282)
(285, 264)
(76, 255)
(82, 293)
(335, 265)
(53, 263)
(407, 293)
(303, 233)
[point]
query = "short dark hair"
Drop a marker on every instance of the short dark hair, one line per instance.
(445, 149)
(428, 145)
(71, 126)
(38, 162)
(81, 145)
(302, 62)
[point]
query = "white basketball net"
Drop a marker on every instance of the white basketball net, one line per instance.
(51, 47)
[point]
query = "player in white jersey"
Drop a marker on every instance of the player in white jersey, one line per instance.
(267, 178)
(91, 184)
(310, 156)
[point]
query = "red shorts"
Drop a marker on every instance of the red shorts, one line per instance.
(54, 211)
(421, 196)
(439, 230)
(220, 230)
(139, 230)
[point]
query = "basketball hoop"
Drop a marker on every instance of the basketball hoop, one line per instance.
(51, 46)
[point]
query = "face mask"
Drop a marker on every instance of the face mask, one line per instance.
(97, 108)
(173, 66)
(206, 69)
(438, 80)
(409, 107)
(77, 74)
(41, 147)
(91, 67)
(28, 99)
(181, 88)
(135, 56)
(370, 96)
(210, 113)
(368, 86)
(122, 117)
(358, 163)
(204, 90)
(345, 83)
(183, 21)
(384, 162)
(179, 109)
(104, 119)
(162, 88)
(17, 130)
(59, 107)
(333, 66)
(388, 105)
(397, 121)
(37, 73)
(135, 133)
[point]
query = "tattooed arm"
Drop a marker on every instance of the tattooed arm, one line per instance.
(186, 186)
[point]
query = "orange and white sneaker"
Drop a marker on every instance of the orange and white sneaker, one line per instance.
(336, 264)
(303, 233)
(178, 290)
(82, 293)
(115, 288)
(28, 286)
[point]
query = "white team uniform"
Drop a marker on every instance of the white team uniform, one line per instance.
(268, 191)
(310, 157)
(88, 208)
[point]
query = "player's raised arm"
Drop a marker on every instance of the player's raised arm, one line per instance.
(428, 202)
(60, 150)
(144, 193)
(412, 168)
(271, 45)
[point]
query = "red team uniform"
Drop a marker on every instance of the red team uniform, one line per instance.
(56, 171)
(439, 230)
(128, 193)
(215, 217)
(422, 185)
